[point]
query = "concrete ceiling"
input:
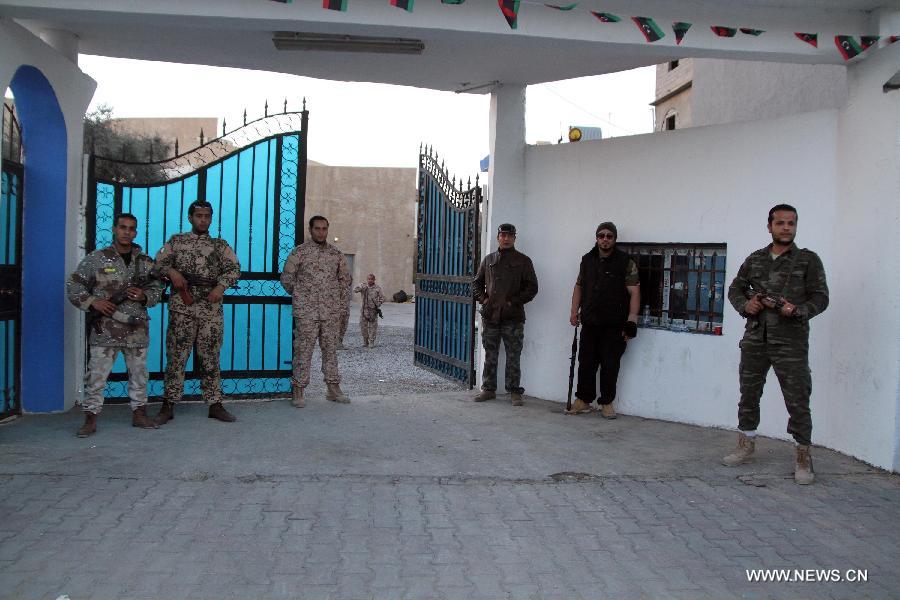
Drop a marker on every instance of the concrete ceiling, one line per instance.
(465, 45)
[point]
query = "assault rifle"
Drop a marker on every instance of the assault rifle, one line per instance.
(195, 281)
(757, 291)
(94, 316)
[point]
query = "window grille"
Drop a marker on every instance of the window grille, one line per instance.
(683, 285)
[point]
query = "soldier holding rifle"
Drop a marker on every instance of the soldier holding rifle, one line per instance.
(115, 286)
(778, 290)
(200, 268)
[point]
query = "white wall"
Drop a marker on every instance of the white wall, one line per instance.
(864, 367)
(721, 182)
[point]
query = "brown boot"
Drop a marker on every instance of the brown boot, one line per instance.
(89, 427)
(485, 395)
(607, 411)
(217, 411)
(746, 446)
(579, 407)
(803, 469)
(166, 413)
(297, 399)
(140, 419)
(334, 393)
(515, 399)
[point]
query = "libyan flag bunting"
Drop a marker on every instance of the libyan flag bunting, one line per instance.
(406, 5)
(680, 28)
(510, 10)
(334, 4)
(606, 17)
(810, 38)
(649, 28)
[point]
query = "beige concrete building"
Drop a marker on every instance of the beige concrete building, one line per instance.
(697, 92)
(186, 130)
(372, 216)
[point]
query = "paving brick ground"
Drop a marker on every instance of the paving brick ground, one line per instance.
(426, 495)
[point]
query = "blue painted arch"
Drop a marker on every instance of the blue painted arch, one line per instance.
(43, 241)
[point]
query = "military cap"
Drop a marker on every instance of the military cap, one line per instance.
(506, 228)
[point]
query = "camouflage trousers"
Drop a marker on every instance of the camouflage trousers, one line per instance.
(100, 363)
(182, 333)
(788, 357)
(512, 335)
(305, 335)
(369, 330)
(345, 322)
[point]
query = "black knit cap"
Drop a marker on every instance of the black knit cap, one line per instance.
(507, 228)
(609, 226)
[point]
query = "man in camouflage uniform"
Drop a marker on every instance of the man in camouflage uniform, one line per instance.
(316, 276)
(372, 299)
(778, 290)
(504, 284)
(605, 301)
(200, 268)
(115, 285)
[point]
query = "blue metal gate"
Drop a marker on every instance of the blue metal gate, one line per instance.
(447, 258)
(255, 178)
(10, 263)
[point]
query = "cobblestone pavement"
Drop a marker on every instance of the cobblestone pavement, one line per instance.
(426, 495)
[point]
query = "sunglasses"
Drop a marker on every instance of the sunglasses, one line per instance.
(605, 236)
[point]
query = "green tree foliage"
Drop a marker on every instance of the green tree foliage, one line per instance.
(129, 156)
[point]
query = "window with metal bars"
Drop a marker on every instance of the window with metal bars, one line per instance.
(682, 285)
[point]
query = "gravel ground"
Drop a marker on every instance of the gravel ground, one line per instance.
(386, 369)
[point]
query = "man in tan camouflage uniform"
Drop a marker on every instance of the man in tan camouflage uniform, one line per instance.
(778, 290)
(200, 268)
(316, 276)
(372, 299)
(115, 286)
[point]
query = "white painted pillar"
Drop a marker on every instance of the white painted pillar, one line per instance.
(506, 185)
(64, 42)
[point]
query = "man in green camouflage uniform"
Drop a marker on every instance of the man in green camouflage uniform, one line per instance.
(778, 290)
(315, 274)
(372, 299)
(504, 284)
(200, 268)
(116, 286)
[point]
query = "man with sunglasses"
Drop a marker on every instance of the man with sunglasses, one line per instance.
(605, 302)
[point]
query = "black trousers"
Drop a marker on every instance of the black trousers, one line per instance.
(600, 347)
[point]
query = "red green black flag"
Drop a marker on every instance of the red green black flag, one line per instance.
(452, 1)
(680, 28)
(606, 17)
(810, 38)
(406, 5)
(847, 46)
(893, 39)
(723, 31)
(649, 28)
(867, 41)
(334, 4)
(510, 10)
(562, 6)
(753, 32)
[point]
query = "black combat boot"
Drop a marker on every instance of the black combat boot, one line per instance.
(166, 413)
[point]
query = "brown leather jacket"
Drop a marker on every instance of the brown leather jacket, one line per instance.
(508, 281)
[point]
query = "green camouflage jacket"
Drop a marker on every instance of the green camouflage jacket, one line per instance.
(796, 274)
(103, 273)
(198, 256)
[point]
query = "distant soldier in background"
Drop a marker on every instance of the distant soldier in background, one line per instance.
(316, 276)
(200, 268)
(115, 286)
(372, 299)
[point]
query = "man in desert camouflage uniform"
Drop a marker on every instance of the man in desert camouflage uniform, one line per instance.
(200, 268)
(115, 285)
(316, 276)
(372, 299)
(778, 290)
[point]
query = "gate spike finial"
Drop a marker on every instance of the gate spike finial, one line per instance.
(304, 103)
(223, 127)
(476, 179)
(201, 136)
(454, 182)
(176, 146)
(469, 183)
(266, 108)
(245, 116)
(284, 110)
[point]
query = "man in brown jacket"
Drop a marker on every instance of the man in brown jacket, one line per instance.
(505, 282)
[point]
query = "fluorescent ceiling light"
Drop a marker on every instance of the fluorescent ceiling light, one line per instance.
(324, 42)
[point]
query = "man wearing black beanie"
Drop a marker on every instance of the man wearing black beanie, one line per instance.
(605, 301)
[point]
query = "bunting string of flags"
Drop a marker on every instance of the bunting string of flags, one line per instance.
(848, 46)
